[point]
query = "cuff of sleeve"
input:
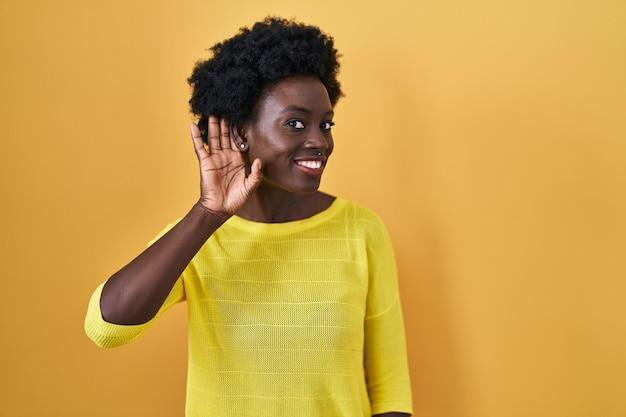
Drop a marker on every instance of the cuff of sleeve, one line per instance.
(108, 335)
(393, 407)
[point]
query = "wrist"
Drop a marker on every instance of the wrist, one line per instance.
(213, 217)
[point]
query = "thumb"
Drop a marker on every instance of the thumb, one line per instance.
(256, 175)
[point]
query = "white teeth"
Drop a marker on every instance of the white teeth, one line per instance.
(310, 164)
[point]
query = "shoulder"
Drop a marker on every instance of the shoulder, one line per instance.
(361, 216)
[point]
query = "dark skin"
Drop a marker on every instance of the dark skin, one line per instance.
(292, 131)
(292, 136)
(392, 415)
(267, 171)
(134, 294)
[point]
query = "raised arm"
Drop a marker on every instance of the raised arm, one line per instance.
(134, 294)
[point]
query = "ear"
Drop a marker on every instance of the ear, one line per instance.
(238, 133)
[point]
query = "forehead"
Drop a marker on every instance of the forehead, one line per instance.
(300, 91)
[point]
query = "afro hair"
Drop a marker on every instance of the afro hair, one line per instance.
(244, 67)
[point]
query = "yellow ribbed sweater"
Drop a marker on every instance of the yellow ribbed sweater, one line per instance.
(289, 319)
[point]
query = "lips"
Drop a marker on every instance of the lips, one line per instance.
(310, 164)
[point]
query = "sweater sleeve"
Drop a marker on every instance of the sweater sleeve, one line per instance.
(110, 335)
(386, 364)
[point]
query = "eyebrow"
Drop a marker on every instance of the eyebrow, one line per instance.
(304, 110)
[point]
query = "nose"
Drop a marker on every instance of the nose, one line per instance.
(319, 140)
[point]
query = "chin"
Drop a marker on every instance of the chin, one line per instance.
(297, 189)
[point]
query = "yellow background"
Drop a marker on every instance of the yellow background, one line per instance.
(489, 135)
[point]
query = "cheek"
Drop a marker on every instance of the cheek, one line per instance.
(331, 146)
(279, 149)
(273, 157)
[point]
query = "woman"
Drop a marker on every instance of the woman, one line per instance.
(292, 293)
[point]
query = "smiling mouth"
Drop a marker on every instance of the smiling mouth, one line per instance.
(310, 164)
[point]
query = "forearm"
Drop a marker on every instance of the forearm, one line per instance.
(134, 294)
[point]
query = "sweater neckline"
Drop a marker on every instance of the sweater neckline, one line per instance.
(292, 226)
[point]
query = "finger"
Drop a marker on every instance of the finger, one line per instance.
(214, 134)
(224, 134)
(233, 135)
(198, 144)
(256, 175)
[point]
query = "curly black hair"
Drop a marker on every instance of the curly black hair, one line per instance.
(244, 67)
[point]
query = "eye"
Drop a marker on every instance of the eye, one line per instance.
(296, 124)
(327, 125)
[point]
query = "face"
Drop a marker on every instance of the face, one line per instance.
(292, 134)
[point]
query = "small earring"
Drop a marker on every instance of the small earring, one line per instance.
(242, 146)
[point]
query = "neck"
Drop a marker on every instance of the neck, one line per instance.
(267, 205)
